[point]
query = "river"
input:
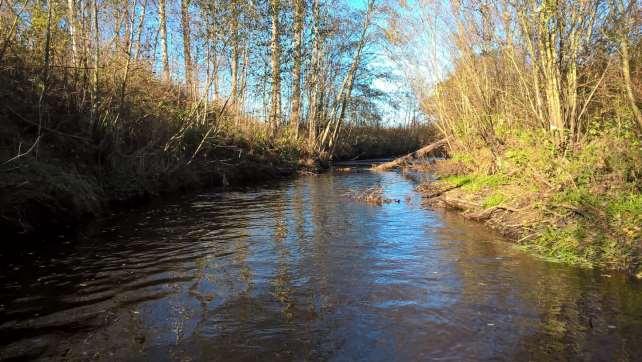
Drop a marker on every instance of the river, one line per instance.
(297, 271)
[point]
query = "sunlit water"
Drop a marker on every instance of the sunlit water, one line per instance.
(299, 271)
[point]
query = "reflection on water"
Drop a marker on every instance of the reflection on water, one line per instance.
(296, 271)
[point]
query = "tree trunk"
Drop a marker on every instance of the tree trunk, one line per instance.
(140, 30)
(299, 14)
(130, 43)
(71, 15)
(162, 19)
(314, 77)
(275, 46)
(187, 47)
(346, 88)
(47, 50)
(626, 72)
(420, 153)
(96, 61)
(235, 56)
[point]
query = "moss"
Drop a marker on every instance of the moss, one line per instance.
(458, 180)
(494, 199)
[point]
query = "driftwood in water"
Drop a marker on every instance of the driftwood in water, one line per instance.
(373, 196)
(420, 153)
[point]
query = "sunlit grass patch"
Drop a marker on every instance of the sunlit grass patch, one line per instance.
(495, 199)
(475, 182)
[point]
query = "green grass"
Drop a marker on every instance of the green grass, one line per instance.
(563, 246)
(475, 182)
(494, 199)
(589, 199)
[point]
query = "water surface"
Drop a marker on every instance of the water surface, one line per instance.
(297, 271)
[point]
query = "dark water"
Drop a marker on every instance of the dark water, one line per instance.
(298, 272)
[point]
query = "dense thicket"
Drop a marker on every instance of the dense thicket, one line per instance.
(541, 104)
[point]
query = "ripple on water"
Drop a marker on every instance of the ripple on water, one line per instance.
(298, 271)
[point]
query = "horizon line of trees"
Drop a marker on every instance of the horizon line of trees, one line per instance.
(483, 69)
(300, 66)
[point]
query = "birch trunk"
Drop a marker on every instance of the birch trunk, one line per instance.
(71, 14)
(162, 19)
(275, 47)
(299, 13)
(314, 77)
(187, 47)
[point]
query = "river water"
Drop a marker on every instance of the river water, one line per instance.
(298, 271)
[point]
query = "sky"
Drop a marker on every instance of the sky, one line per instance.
(382, 60)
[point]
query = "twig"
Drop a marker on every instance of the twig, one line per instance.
(20, 155)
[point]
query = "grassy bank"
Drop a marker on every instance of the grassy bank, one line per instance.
(66, 157)
(581, 208)
(541, 106)
(67, 153)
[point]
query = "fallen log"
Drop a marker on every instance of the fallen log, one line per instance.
(420, 153)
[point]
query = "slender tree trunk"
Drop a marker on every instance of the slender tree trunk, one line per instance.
(626, 72)
(299, 14)
(71, 15)
(130, 43)
(346, 89)
(215, 75)
(140, 31)
(235, 56)
(96, 60)
(243, 80)
(315, 99)
(162, 19)
(624, 22)
(47, 50)
(275, 47)
(84, 36)
(187, 47)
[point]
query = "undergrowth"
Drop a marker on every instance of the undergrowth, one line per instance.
(587, 200)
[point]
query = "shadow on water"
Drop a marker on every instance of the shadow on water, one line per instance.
(298, 271)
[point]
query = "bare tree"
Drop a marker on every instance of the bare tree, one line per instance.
(234, 62)
(187, 47)
(624, 22)
(162, 24)
(71, 17)
(275, 46)
(315, 97)
(299, 14)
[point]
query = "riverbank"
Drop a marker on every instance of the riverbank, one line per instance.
(584, 210)
(42, 198)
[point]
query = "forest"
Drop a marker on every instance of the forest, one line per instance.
(540, 103)
(314, 180)
(113, 102)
